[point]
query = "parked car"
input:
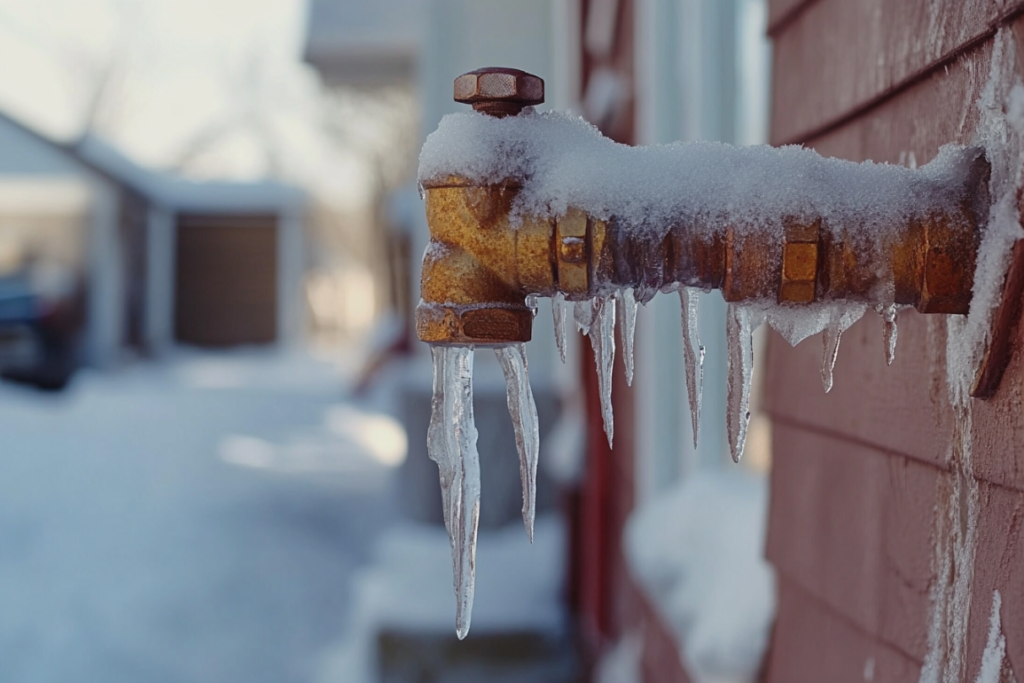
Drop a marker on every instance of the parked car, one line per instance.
(40, 318)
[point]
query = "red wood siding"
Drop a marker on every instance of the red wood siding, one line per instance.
(840, 650)
(860, 474)
(851, 53)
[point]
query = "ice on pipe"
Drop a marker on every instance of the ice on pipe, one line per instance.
(451, 443)
(740, 323)
(523, 410)
(693, 355)
(562, 161)
(628, 328)
(558, 313)
(602, 339)
(841, 318)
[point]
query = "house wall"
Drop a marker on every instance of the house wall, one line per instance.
(863, 480)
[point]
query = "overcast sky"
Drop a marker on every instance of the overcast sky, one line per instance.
(173, 70)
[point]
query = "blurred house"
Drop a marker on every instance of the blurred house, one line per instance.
(368, 52)
(209, 263)
(158, 260)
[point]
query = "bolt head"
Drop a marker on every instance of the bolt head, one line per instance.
(499, 91)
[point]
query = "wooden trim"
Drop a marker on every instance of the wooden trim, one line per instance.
(1003, 337)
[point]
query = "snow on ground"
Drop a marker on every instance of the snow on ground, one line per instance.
(194, 520)
(697, 550)
(519, 588)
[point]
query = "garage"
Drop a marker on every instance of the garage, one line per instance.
(226, 275)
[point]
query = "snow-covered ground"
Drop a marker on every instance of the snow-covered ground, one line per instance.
(198, 519)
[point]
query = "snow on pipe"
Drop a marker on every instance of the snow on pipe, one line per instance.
(522, 205)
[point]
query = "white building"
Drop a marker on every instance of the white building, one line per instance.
(117, 228)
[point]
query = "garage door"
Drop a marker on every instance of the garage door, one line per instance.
(226, 280)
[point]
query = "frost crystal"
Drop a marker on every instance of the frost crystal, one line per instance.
(693, 354)
(451, 443)
(523, 410)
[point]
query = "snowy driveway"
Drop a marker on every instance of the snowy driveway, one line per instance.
(189, 521)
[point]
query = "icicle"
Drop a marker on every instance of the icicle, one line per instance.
(523, 410)
(628, 329)
(740, 324)
(583, 313)
(830, 338)
(889, 331)
(693, 354)
(558, 313)
(841, 317)
(451, 443)
(602, 339)
(531, 303)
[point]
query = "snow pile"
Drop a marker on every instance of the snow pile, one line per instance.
(405, 588)
(621, 663)
(697, 550)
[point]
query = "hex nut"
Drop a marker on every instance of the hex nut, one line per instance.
(499, 91)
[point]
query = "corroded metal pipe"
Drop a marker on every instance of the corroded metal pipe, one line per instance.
(478, 268)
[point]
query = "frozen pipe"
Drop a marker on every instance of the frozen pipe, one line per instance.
(486, 256)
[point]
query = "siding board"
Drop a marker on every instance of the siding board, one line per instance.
(850, 54)
(886, 407)
(852, 526)
(812, 643)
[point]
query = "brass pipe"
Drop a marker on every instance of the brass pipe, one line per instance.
(478, 268)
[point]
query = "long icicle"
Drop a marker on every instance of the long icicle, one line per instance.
(693, 354)
(451, 443)
(628, 329)
(740, 323)
(602, 339)
(523, 410)
(558, 313)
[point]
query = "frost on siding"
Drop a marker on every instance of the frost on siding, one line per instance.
(1000, 131)
(995, 647)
